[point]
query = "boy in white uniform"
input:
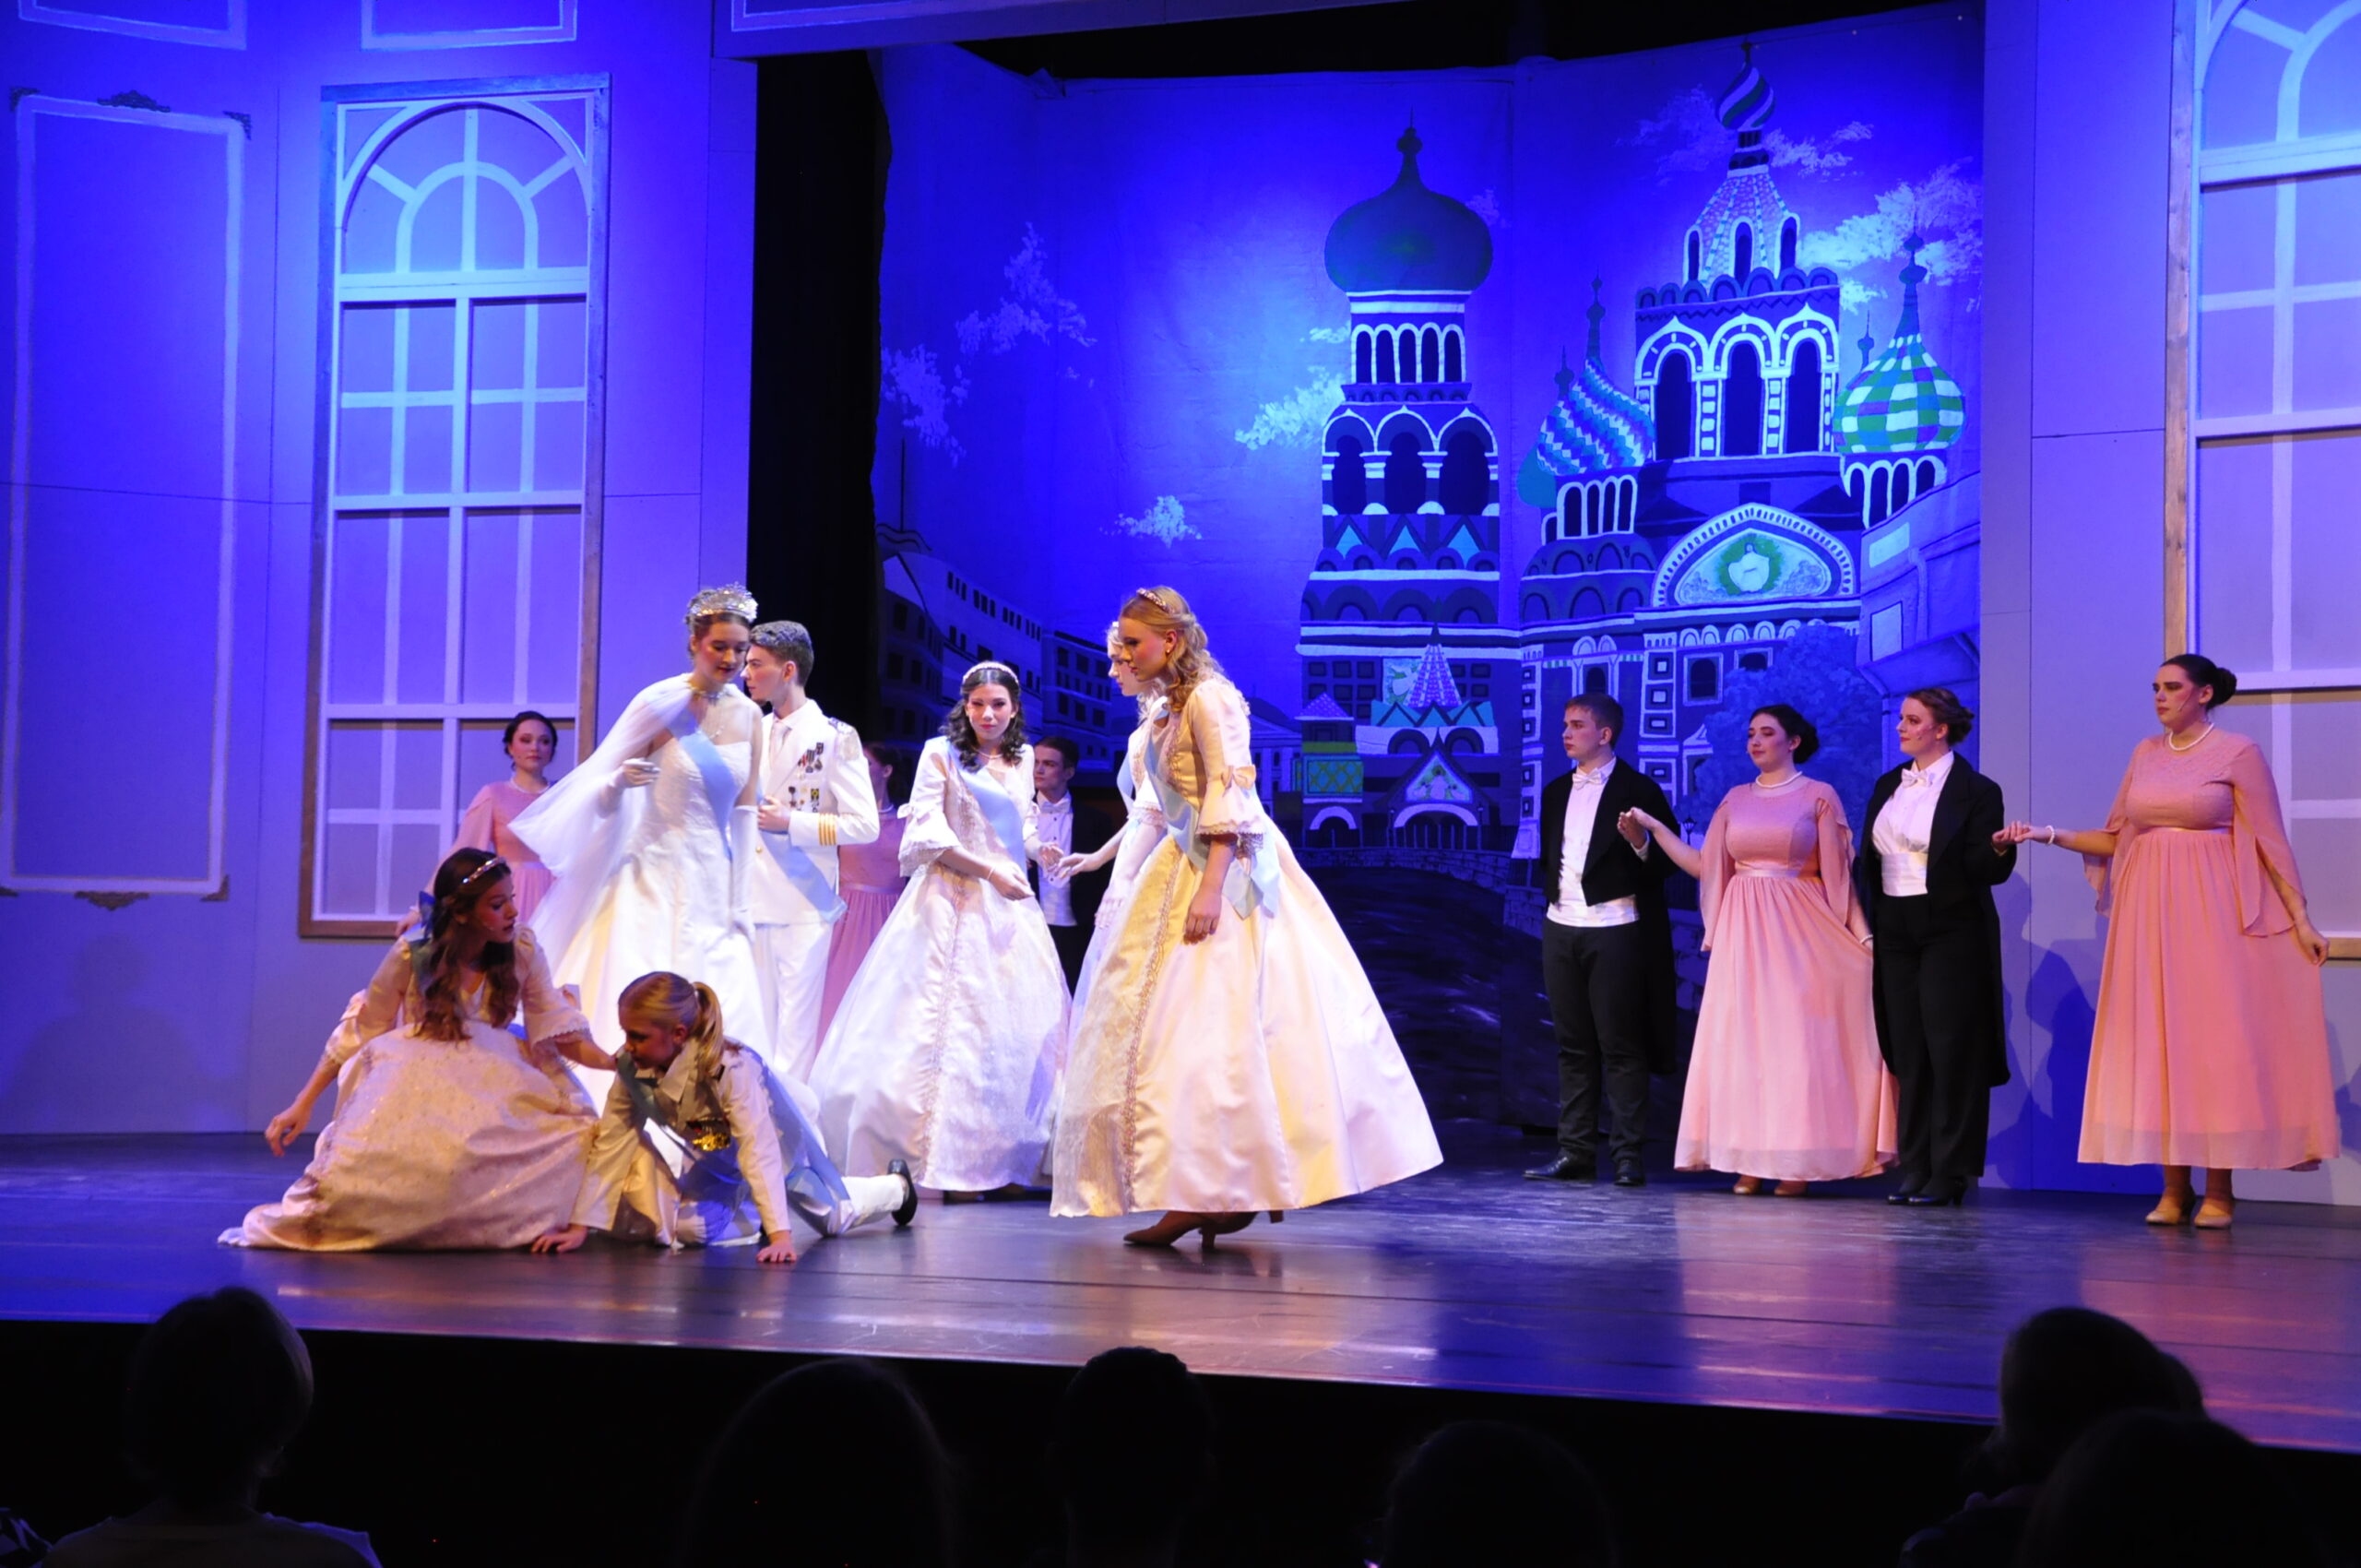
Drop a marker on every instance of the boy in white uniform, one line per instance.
(815, 795)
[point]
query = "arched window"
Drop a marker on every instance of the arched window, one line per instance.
(1536, 607)
(1609, 558)
(1928, 476)
(1405, 471)
(1411, 612)
(1629, 602)
(1430, 355)
(1630, 504)
(1696, 254)
(1466, 476)
(1744, 249)
(1453, 356)
(1741, 432)
(1879, 494)
(1787, 245)
(1704, 680)
(1385, 356)
(1801, 432)
(1581, 499)
(1675, 409)
(464, 313)
(1856, 491)
(1364, 356)
(1350, 612)
(1348, 482)
(1588, 605)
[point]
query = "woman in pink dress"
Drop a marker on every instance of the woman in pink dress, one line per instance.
(869, 879)
(1786, 1081)
(2211, 1045)
(530, 741)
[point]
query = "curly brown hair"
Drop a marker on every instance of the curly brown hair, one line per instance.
(990, 673)
(463, 881)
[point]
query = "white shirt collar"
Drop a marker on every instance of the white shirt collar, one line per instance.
(1584, 780)
(1931, 776)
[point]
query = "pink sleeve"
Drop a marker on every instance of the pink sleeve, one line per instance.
(475, 827)
(2100, 869)
(1836, 859)
(2258, 836)
(1714, 870)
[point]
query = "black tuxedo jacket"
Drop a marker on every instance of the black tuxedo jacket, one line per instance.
(1961, 869)
(1612, 871)
(1092, 828)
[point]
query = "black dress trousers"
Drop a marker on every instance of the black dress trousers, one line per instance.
(1596, 980)
(1934, 981)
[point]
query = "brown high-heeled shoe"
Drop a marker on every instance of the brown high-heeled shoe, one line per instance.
(1747, 1186)
(1175, 1224)
(1225, 1225)
(2171, 1209)
(1790, 1189)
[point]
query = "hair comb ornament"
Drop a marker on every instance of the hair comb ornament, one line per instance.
(730, 598)
(493, 867)
(973, 670)
(1155, 597)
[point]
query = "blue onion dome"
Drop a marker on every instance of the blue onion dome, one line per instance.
(1902, 401)
(1594, 426)
(1408, 238)
(1747, 102)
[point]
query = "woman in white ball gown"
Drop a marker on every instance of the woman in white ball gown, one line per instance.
(651, 839)
(946, 1048)
(1230, 1057)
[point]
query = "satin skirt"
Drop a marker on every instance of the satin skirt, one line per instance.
(1252, 1070)
(474, 1142)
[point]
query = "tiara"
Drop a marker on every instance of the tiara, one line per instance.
(1156, 597)
(987, 664)
(730, 598)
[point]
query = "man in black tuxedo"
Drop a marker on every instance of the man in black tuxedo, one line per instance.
(1071, 905)
(1606, 946)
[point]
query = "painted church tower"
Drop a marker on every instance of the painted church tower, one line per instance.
(1401, 635)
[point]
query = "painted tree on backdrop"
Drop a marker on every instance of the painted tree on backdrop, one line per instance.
(1815, 673)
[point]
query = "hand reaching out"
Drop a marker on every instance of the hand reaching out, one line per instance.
(780, 1251)
(287, 1126)
(565, 1239)
(1637, 826)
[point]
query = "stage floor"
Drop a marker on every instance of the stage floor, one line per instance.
(1467, 1278)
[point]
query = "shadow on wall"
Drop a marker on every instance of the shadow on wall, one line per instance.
(113, 1022)
(2038, 1148)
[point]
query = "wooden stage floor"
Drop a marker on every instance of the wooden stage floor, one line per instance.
(1465, 1279)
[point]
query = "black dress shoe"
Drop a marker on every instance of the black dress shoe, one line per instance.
(1939, 1193)
(1565, 1167)
(1628, 1174)
(1912, 1185)
(909, 1209)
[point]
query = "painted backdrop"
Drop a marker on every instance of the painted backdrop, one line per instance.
(1445, 396)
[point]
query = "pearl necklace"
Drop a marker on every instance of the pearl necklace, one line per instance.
(1790, 778)
(2193, 744)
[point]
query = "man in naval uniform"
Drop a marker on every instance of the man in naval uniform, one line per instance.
(815, 795)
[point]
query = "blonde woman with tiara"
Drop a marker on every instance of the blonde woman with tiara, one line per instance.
(651, 839)
(702, 1146)
(1230, 1057)
(946, 1048)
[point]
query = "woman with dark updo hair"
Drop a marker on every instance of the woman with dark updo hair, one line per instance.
(2210, 1044)
(530, 743)
(1785, 1082)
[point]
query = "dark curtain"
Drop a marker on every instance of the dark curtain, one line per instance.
(819, 222)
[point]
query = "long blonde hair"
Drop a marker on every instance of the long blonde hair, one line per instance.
(665, 999)
(1162, 609)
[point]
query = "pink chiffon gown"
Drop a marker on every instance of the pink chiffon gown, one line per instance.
(2211, 1045)
(1785, 1080)
(485, 827)
(869, 879)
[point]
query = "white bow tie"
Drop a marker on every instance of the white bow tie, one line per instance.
(1585, 779)
(1916, 778)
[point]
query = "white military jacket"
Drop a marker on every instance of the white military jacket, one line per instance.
(813, 766)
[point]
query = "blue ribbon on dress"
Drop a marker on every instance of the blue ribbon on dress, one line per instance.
(1260, 886)
(720, 786)
(999, 808)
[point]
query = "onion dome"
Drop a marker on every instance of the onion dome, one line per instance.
(1746, 104)
(1903, 401)
(1594, 426)
(1408, 238)
(1746, 197)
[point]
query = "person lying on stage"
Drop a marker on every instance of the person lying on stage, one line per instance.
(450, 1131)
(702, 1144)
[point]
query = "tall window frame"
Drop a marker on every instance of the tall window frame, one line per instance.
(506, 525)
(2238, 439)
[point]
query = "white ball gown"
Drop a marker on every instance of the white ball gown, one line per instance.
(1254, 1069)
(656, 877)
(946, 1048)
(440, 1144)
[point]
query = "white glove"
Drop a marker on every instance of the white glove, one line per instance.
(638, 773)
